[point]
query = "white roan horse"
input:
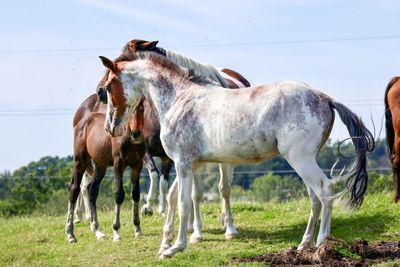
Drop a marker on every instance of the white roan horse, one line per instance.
(203, 122)
(223, 76)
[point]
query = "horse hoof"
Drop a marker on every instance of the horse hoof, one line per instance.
(147, 211)
(163, 257)
(101, 237)
(195, 239)
(170, 252)
(78, 220)
(117, 239)
(163, 248)
(231, 236)
(138, 233)
(72, 239)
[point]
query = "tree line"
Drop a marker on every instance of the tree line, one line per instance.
(41, 186)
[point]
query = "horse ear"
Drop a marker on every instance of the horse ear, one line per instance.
(108, 63)
(150, 45)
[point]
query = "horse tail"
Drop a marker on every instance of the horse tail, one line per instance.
(388, 122)
(357, 177)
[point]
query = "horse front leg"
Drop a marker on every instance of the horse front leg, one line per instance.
(168, 229)
(135, 178)
(224, 186)
(185, 182)
(195, 221)
(73, 193)
(153, 174)
(166, 165)
(98, 175)
(119, 197)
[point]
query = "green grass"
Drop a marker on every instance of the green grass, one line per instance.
(41, 241)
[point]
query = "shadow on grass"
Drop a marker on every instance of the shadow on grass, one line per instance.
(361, 226)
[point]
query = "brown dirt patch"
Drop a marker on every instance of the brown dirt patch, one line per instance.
(333, 252)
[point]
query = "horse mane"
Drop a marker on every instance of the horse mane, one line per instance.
(182, 72)
(197, 70)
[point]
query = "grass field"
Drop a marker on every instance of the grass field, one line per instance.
(267, 227)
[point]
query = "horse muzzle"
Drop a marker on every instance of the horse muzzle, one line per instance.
(137, 137)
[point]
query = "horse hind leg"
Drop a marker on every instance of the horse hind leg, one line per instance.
(226, 175)
(166, 165)
(151, 195)
(98, 175)
(83, 200)
(308, 237)
(396, 168)
(73, 193)
(322, 187)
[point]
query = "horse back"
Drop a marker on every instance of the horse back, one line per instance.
(90, 104)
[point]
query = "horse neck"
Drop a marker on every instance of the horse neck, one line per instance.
(162, 88)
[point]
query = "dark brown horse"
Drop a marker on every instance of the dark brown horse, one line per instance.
(94, 146)
(392, 115)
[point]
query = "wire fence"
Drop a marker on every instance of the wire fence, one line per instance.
(144, 174)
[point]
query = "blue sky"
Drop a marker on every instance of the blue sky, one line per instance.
(49, 55)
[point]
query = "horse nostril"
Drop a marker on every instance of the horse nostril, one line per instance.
(136, 134)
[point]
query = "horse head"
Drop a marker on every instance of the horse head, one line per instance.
(135, 123)
(128, 51)
(121, 101)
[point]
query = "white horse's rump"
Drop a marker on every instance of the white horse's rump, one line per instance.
(202, 122)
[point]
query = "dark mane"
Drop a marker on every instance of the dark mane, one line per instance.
(164, 62)
(132, 47)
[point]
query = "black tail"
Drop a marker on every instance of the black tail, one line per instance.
(357, 177)
(388, 122)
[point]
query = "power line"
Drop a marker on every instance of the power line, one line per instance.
(329, 40)
(65, 112)
(258, 43)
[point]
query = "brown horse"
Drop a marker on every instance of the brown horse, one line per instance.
(392, 115)
(93, 145)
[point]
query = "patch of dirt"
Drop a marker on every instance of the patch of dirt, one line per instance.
(333, 252)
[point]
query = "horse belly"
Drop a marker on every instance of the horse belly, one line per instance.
(241, 150)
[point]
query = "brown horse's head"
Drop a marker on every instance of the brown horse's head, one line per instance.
(128, 51)
(135, 123)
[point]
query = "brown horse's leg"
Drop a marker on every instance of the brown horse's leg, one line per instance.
(73, 193)
(395, 160)
(135, 177)
(119, 168)
(94, 187)
(396, 167)
(166, 165)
